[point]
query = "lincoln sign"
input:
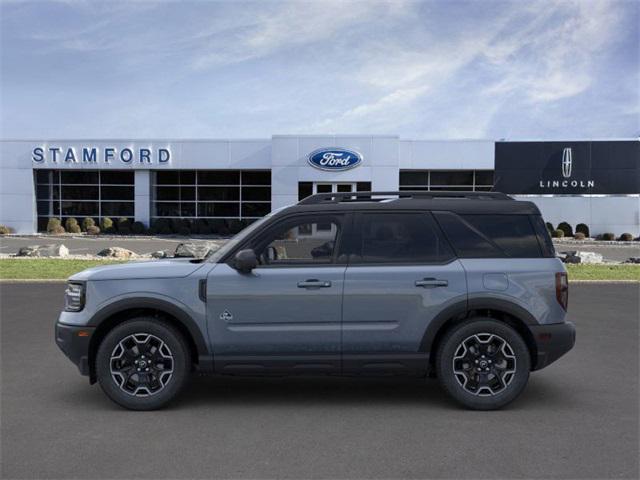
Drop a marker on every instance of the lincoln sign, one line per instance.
(575, 168)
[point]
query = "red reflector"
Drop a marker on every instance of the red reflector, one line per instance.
(562, 289)
(83, 333)
(544, 337)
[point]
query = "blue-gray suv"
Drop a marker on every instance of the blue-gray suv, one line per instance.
(464, 286)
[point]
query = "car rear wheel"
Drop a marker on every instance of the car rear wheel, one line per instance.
(483, 363)
(143, 363)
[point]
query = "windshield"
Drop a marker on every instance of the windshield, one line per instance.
(215, 256)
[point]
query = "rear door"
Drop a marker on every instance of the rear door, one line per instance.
(401, 274)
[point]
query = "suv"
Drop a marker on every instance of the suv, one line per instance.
(462, 286)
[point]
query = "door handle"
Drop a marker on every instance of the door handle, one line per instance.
(431, 283)
(313, 283)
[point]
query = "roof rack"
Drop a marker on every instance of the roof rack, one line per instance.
(421, 195)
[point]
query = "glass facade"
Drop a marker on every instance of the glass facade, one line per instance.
(467, 180)
(83, 193)
(223, 194)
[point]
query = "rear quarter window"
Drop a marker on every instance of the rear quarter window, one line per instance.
(488, 236)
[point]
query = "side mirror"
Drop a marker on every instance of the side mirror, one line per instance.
(245, 261)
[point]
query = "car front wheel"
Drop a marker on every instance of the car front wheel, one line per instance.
(483, 363)
(143, 363)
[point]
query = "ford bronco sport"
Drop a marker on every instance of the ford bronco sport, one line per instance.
(462, 286)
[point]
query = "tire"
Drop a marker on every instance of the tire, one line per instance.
(143, 363)
(483, 364)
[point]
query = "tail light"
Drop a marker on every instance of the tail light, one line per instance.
(562, 289)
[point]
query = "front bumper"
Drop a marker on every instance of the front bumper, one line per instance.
(552, 341)
(74, 343)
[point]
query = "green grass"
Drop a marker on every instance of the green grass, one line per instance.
(46, 268)
(604, 272)
(53, 268)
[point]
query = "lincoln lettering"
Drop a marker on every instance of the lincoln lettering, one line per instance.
(567, 183)
(108, 155)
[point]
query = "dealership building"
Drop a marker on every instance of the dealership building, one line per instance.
(596, 182)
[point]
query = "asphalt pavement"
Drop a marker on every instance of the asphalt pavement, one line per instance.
(577, 419)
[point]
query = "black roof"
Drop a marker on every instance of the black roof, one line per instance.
(457, 202)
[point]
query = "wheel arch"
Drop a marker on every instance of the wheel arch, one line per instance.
(121, 311)
(507, 312)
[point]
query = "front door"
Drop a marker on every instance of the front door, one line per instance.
(401, 274)
(285, 315)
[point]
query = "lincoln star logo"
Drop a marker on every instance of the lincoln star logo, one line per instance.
(334, 159)
(567, 160)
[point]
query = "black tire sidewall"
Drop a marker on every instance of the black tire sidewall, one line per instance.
(167, 334)
(444, 363)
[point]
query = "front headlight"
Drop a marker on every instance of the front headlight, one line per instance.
(74, 297)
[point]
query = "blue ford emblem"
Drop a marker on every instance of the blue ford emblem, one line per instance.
(334, 159)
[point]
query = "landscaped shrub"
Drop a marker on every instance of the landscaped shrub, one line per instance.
(583, 228)
(557, 233)
(106, 225)
(124, 226)
(607, 236)
(138, 228)
(71, 225)
(4, 230)
(161, 226)
(626, 237)
(566, 228)
(550, 227)
(54, 226)
(88, 222)
(93, 230)
(579, 236)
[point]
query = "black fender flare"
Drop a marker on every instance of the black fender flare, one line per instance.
(156, 304)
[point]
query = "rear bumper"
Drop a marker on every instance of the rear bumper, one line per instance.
(74, 343)
(552, 342)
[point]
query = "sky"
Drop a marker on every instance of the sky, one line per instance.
(231, 69)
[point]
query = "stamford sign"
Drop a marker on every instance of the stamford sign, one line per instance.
(95, 155)
(334, 159)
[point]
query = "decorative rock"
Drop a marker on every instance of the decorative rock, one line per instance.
(632, 260)
(51, 250)
(195, 250)
(116, 252)
(582, 257)
(159, 254)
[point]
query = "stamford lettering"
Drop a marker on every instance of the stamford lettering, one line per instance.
(107, 155)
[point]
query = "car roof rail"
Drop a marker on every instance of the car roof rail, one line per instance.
(337, 197)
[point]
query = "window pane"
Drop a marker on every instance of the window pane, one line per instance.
(42, 223)
(256, 177)
(454, 177)
(219, 193)
(512, 233)
(414, 178)
(187, 177)
(42, 176)
(467, 242)
(363, 187)
(188, 209)
(218, 209)
(305, 189)
(117, 193)
(256, 193)
(168, 178)
(43, 208)
(484, 177)
(78, 177)
(219, 177)
(401, 238)
(117, 177)
(300, 242)
(167, 209)
(42, 191)
(187, 193)
(79, 193)
(168, 193)
(323, 188)
(80, 209)
(255, 209)
(452, 189)
(117, 209)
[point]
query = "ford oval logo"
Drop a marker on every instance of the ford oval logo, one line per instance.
(334, 159)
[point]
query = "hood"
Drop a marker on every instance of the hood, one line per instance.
(170, 268)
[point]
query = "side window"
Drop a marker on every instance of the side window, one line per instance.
(467, 241)
(514, 234)
(307, 240)
(400, 238)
